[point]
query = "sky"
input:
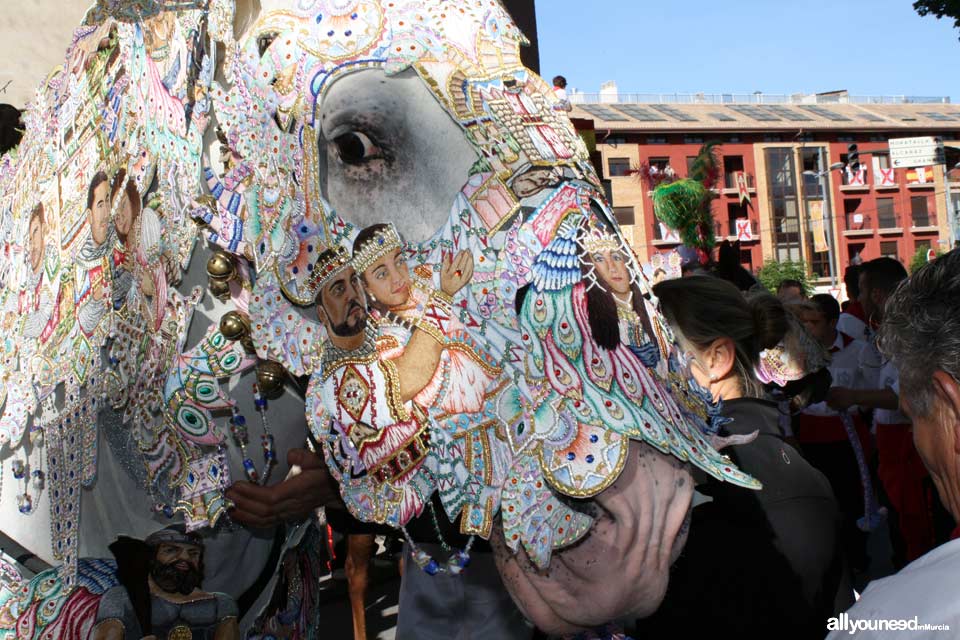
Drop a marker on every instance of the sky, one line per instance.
(881, 47)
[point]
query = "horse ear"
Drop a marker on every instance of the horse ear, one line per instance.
(246, 15)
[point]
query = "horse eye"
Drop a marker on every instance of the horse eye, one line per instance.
(356, 148)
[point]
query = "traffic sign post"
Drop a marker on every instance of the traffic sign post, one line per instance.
(916, 152)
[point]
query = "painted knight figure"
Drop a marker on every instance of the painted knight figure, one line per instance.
(398, 215)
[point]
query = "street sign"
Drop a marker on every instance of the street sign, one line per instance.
(916, 152)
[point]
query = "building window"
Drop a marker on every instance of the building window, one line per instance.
(692, 140)
(921, 246)
(690, 161)
(812, 185)
(735, 210)
(886, 214)
(624, 215)
(853, 219)
(883, 159)
(618, 167)
(919, 211)
(889, 249)
(731, 165)
(855, 252)
(660, 164)
(785, 214)
(613, 141)
(653, 140)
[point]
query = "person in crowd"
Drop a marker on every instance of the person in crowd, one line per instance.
(920, 335)
(754, 560)
(729, 268)
(822, 433)
(560, 89)
(790, 290)
(853, 321)
(904, 480)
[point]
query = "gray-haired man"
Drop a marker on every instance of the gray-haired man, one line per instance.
(921, 336)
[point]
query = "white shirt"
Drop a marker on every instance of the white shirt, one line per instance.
(889, 379)
(925, 589)
(853, 326)
(846, 368)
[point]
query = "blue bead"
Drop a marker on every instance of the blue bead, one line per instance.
(168, 511)
(239, 420)
(594, 438)
(589, 459)
(571, 456)
(432, 567)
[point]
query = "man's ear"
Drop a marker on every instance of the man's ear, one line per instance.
(946, 393)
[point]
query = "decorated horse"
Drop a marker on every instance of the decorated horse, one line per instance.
(231, 230)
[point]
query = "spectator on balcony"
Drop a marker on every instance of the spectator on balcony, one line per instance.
(790, 291)
(560, 89)
(853, 321)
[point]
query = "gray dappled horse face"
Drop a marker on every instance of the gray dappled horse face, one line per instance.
(389, 152)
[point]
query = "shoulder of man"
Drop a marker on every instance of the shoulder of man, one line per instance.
(226, 606)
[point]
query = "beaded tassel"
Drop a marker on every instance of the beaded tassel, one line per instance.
(456, 562)
(266, 440)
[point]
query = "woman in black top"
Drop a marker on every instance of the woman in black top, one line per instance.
(757, 564)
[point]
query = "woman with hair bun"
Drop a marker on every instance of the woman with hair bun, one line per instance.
(755, 560)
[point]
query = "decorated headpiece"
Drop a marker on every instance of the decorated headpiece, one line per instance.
(173, 535)
(382, 242)
(795, 357)
(329, 264)
(596, 240)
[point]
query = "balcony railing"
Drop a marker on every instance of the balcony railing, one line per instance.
(673, 237)
(888, 222)
(730, 181)
(925, 220)
(860, 225)
(860, 180)
(734, 233)
(615, 97)
(859, 222)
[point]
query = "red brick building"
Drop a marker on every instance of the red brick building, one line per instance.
(784, 152)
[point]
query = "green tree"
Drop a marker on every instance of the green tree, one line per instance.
(919, 259)
(773, 272)
(940, 9)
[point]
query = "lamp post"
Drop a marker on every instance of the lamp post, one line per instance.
(827, 207)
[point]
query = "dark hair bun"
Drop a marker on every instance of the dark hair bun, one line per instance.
(769, 319)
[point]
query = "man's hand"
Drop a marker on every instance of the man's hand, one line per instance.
(841, 398)
(295, 498)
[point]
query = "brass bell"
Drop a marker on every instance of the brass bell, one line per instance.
(234, 325)
(220, 289)
(221, 267)
(270, 379)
